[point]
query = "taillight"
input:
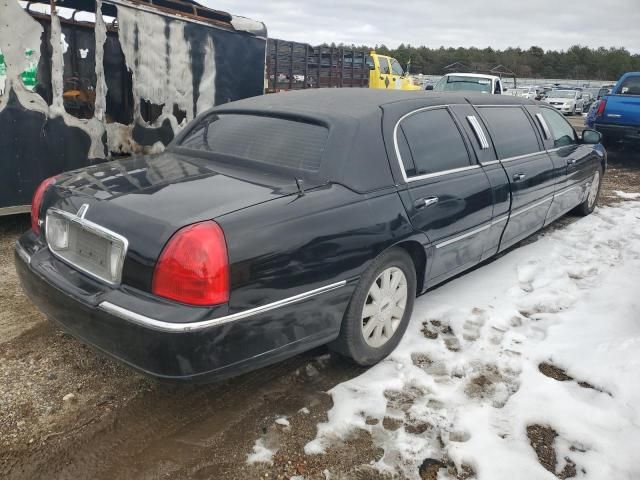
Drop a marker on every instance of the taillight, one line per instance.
(36, 202)
(601, 107)
(193, 268)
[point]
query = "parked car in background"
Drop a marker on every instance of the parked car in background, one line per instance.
(604, 91)
(469, 82)
(587, 101)
(617, 115)
(528, 92)
(568, 102)
(320, 226)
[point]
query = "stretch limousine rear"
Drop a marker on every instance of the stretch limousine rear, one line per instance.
(276, 224)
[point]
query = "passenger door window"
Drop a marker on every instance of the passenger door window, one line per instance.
(512, 132)
(396, 68)
(433, 142)
(384, 65)
(562, 132)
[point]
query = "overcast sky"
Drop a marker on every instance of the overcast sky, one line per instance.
(550, 24)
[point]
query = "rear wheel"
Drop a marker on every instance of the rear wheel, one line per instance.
(589, 204)
(379, 310)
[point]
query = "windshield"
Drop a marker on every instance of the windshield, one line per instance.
(456, 83)
(396, 68)
(268, 140)
(562, 94)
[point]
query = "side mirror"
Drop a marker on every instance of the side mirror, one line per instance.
(591, 137)
(429, 87)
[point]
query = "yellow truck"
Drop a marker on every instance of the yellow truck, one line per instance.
(294, 66)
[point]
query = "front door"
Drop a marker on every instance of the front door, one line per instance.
(569, 157)
(528, 168)
(447, 195)
(384, 79)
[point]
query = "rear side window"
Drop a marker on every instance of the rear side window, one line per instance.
(273, 141)
(512, 133)
(631, 86)
(561, 132)
(433, 141)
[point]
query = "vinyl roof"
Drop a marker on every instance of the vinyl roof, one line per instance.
(358, 102)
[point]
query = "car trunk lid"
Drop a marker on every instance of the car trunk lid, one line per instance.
(146, 199)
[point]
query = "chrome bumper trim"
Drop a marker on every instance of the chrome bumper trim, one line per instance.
(22, 253)
(171, 327)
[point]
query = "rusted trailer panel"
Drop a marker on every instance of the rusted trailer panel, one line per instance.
(112, 77)
(294, 66)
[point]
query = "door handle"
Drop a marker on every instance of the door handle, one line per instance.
(571, 161)
(518, 177)
(425, 202)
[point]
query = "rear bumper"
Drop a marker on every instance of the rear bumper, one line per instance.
(621, 132)
(194, 347)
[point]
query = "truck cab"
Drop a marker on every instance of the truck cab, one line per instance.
(470, 82)
(617, 115)
(387, 73)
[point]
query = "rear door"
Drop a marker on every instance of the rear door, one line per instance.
(528, 168)
(447, 196)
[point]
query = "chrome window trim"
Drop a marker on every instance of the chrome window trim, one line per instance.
(171, 327)
(97, 230)
(477, 129)
(399, 157)
(491, 162)
(439, 174)
(545, 127)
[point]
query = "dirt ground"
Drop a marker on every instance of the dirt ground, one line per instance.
(68, 412)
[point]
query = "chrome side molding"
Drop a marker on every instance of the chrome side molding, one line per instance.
(171, 327)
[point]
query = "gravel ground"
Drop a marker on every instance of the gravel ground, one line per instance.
(72, 413)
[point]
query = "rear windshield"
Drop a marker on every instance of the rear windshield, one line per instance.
(268, 140)
(463, 83)
(631, 86)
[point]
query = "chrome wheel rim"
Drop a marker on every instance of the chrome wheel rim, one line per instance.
(593, 190)
(384, 307)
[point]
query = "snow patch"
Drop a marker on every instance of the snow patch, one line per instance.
(627, 195)
(464, 384)
(283, 421)
(261, 453)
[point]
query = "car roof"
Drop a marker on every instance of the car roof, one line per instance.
(332, 104)
(475, 75)
(353, 115)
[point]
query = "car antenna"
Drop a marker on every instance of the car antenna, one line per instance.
(300, 185)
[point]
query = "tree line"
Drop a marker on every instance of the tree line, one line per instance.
(576, 63)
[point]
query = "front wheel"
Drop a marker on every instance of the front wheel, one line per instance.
(380, 308)
(589, 204)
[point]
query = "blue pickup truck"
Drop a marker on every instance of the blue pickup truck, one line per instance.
(617, 115)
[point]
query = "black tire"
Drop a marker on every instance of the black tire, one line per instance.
(586, 207)
(351, 342)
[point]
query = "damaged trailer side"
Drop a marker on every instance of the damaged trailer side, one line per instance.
(83, 80)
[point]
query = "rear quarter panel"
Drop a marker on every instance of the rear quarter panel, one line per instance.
(301, 242)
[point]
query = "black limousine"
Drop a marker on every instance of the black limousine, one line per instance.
(276, 224)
